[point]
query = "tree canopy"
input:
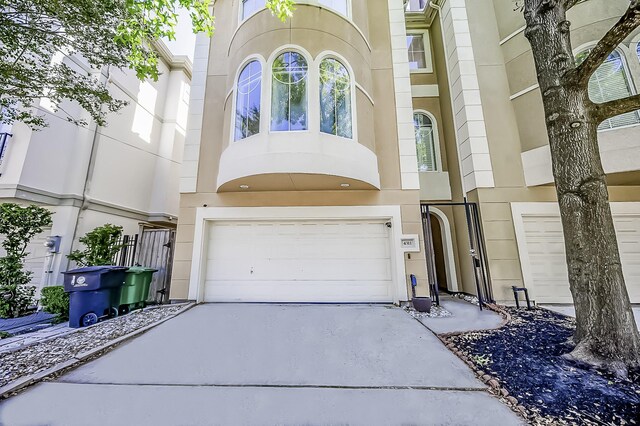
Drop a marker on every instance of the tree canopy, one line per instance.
(36, 36)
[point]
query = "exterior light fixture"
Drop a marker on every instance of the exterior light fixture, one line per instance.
(345, 185)
(244, 186)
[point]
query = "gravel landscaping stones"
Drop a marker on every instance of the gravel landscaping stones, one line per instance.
(47, 354)
(524, 358)
(436, 312)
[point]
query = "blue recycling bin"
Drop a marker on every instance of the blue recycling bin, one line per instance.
(94, 293)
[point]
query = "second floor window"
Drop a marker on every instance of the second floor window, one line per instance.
(289, 93)
(610, 82)
(335, 99)
(249, 94)
(425, 143)
(249, 7)
(416, 5)
(417, 55)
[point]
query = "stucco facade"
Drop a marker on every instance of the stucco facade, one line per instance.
(125, 173)
(457, 75)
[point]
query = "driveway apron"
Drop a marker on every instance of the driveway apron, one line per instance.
(252, 364)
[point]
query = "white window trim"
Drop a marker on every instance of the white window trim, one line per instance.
(313, 95)
(234, 99)
(327, 54)
(312, 84)
(436, 140)
(315, 3)
(426, 41)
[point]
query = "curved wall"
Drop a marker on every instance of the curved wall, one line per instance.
(262, 37)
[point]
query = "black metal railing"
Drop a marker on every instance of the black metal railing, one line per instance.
(127, 254)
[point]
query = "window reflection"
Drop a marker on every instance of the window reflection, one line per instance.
(335, 99)
(289, 93)
(248, 101)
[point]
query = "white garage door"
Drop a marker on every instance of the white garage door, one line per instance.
(547, 265)
(296, 261)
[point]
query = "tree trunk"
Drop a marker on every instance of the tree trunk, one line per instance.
(606, 333)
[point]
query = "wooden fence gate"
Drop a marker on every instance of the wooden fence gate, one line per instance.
(156, 251)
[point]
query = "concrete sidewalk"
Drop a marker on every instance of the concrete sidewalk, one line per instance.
(269, 364)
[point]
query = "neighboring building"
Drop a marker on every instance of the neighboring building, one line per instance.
(125, 173)
(323, 151)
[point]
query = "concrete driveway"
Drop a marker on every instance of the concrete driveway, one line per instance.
(269, 364)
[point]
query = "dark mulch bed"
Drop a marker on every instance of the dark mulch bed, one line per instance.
(525, 356)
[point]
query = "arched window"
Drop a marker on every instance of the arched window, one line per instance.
(425, 143)
(289, 93)
(335, 99)
(249, 94)
(610, 82)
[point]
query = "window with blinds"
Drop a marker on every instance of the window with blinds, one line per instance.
(425, 143)
(610, 82)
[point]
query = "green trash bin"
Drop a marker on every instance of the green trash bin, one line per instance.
(136, 288)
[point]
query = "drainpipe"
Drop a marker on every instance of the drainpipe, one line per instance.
(86, 200)
(438, 9)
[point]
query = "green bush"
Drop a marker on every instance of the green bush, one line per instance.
(15, 300)
(102, 244)
(4, 335)
(18, 225)
(55, 301)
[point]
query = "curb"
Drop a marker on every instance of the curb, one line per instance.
(71, 331)
(80, 358)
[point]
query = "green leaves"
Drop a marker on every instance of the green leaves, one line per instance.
(18, 225)
(63, 50)
(101, 244)
(283, 9)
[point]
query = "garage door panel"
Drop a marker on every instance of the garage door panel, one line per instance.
(299, 261)
(545, 247)
(313, 291)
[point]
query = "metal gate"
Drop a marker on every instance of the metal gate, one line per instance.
(155, 250)
(477, 251)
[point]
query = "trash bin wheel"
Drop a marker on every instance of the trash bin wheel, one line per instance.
(89, 319)
(113, 312)
(124, 309)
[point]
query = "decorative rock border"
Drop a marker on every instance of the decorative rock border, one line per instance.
(78, 359)
(495, 387)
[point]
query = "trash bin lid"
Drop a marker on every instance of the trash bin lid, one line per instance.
(140, 270)
(94, 269)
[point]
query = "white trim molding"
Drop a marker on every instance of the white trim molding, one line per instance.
(473, 145)
(410, 177)
(447, 243)
(425, 91)
(190, 161)
(206, 215)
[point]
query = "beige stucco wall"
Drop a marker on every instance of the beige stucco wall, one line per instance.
(315, 30)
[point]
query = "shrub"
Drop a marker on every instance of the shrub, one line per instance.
(4, 334)
(18, 225)
(102, 244)
(55, 301)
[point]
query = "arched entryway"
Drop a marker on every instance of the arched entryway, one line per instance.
(443, 253)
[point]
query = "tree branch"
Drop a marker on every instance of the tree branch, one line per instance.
(616, 35)
(617, 107)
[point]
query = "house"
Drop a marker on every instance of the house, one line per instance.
(125, 173)
(332, 157)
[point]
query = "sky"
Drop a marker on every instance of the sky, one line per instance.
(184, 43)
